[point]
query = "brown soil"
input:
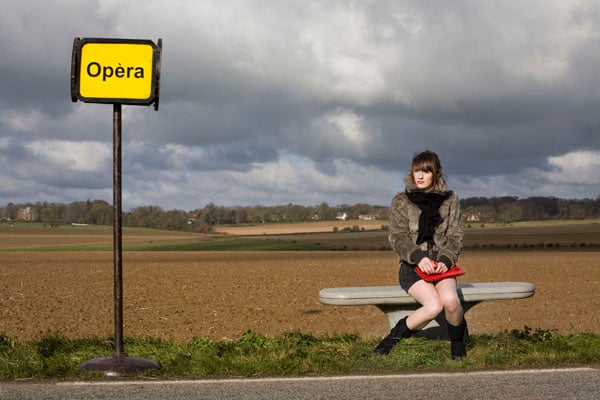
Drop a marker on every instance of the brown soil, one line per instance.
(223, 294)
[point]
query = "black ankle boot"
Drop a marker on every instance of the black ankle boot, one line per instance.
(398, 332)
(458, 348)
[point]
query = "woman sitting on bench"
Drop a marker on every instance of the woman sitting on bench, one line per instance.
(426, 231)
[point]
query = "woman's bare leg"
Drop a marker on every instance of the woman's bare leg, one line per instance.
(448, 295)
(431, 305)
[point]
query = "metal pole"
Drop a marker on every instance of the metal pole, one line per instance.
(117, 231)
(119, 363)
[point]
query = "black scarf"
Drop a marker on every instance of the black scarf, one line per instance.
(429, 203)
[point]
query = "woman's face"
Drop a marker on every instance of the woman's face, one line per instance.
(423, 179)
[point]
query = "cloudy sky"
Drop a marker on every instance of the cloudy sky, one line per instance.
(299, 101)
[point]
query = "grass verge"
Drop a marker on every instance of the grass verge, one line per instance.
(297, 354)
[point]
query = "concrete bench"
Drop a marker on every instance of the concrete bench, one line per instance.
(397, 304)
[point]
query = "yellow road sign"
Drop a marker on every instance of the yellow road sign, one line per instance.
(115, 71)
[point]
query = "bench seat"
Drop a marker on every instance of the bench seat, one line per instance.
(397, 304)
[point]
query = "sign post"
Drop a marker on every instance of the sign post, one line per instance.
(116, 71)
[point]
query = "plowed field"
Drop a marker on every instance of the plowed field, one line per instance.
(221, 295)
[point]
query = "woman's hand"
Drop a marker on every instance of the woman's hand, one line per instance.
(440, 267)
(429, 266)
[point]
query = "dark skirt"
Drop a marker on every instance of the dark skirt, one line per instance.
(407, 276)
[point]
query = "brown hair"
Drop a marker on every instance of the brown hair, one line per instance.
(428, 161)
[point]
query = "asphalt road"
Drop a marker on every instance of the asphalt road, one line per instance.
(578, 383)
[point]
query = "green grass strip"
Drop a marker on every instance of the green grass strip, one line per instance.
(297, 354)
(230, 244)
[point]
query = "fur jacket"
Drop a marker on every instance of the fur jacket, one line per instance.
(404, 228)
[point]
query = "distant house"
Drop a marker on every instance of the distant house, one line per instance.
(26, 214)
(474, 217)
(342, 216)
(367, 217)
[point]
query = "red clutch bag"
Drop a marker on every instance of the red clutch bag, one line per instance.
(455, 270)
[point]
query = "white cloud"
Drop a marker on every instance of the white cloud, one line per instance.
(346, 130)
(72, 156)
(293, 177)
(574, 168)
(571, 175)
(540, 47)
(20, 121)
(290, 179)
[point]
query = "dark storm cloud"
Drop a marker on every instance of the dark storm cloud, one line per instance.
(334, 96)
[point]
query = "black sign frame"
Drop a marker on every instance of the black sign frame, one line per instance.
(79, 43)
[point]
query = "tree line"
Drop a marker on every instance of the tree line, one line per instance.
(509, 209)
(100, 212)
(505, 209)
